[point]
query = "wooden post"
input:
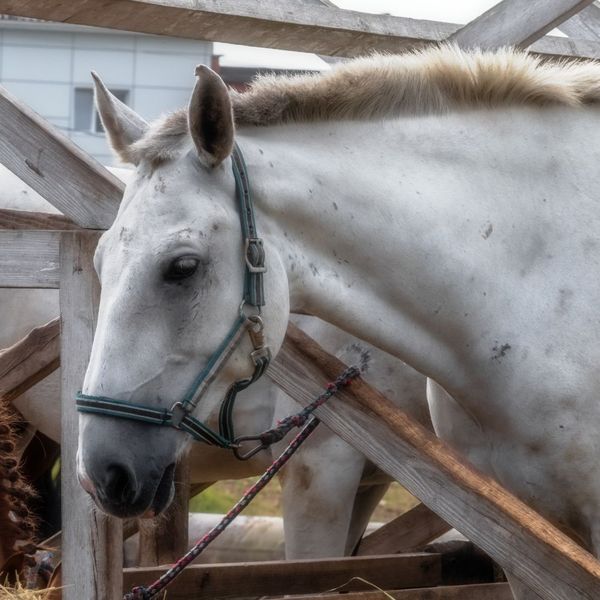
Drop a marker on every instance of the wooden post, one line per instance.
(513, 534)
(165, 539)
(92, 543)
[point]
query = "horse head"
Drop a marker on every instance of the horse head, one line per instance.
(173, 271)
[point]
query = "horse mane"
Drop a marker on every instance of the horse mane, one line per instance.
(16, 522)
(382, 86)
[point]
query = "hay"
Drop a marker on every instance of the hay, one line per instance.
(20, 593)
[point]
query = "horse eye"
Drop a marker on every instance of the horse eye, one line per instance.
(182, 268)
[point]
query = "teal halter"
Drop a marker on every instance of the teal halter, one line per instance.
(180, 414)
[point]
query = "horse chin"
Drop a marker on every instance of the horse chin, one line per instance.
(163, 495)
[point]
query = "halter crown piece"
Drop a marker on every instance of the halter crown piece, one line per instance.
(180, 414)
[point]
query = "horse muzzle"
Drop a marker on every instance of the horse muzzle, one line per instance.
(119, 491)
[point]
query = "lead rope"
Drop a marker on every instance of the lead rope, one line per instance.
(146, 593)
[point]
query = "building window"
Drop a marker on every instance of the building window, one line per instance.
(86, 117)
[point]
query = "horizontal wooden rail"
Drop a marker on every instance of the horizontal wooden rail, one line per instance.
(285, 25)
(407, 533)
(274, 578)
(513, 534)
(29, 259)
(29, 360)
(24, 219)
(488, 591)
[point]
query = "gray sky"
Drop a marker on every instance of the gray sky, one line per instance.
(435, 10)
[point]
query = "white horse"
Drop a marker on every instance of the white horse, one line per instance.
(442, 206)
(326, 473)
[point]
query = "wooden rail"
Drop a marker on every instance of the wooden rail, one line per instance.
(288, 25)
(29, 360)
(514, 535)
(490, 591)
(24, 219)
(585, 25)
(516, 23)
(274, 578)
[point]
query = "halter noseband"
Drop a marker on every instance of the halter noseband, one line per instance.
(180, 414)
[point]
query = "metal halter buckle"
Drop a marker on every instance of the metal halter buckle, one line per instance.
(259, 354)
(255, 255)
(178, 414)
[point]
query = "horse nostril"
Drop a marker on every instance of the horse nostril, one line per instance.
(120, 484)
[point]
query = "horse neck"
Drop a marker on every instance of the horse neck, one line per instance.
(384, 228)
(327, 202)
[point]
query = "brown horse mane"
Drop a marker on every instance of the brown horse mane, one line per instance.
(17, 524)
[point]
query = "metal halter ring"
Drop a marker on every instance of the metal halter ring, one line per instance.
(247, 317)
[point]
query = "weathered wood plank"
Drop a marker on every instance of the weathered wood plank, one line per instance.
(29, 360)
(318, 29)
(55, 167)
(407, 533)
(293, 576)
(164, 539)
(584, 25)
(291, 26)
(490, 591)
(514, 535)
(516, 23)
(24, 219)
(92, 543)
(29, 259)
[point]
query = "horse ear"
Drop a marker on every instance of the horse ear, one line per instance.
(210, 117)
(122, 124)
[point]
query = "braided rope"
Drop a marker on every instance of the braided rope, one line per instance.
(146, 593)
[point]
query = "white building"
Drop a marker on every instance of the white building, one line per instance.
(47, 66)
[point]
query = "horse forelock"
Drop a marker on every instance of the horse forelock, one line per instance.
(435, 80)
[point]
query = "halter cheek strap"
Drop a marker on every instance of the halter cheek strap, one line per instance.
(180, 414)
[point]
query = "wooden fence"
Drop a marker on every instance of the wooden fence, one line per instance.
(44, 251)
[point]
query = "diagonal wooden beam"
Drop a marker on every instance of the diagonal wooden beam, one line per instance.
(407, 533)
(516, 23)
(510, 532)
(288, 26)
(29, 360)
(61, 172)
(584, 25)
